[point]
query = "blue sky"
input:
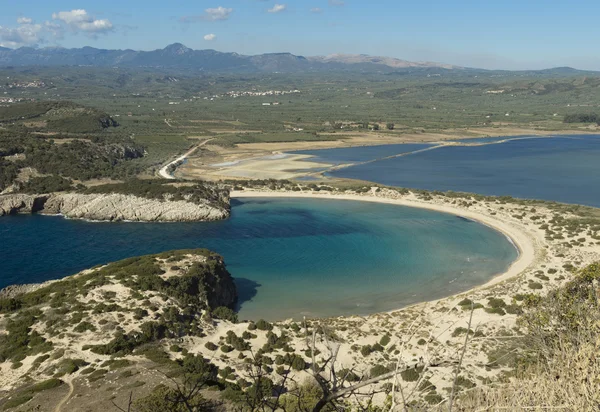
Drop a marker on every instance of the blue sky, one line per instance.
(510, 34)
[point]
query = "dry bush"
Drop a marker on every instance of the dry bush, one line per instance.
(561, 370)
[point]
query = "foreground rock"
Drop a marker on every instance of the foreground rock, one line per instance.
(114, 207)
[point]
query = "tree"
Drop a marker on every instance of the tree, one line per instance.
(390, 126)
(375, 126)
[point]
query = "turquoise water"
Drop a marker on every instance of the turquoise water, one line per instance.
(290, 257)
(564, 169)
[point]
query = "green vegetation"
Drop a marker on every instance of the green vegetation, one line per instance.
(197, 192)
(26, 394)
(46, 184)
(582, 118)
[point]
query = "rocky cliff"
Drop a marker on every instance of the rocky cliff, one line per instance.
(113, 207)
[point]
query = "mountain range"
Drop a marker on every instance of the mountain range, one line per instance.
(178, 56)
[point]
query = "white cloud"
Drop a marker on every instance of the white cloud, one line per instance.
(219, 13)
(316, 10)
(337, 3)
(210, 37)
(80, 20)
(56, 30)
(213, 14)
(25, 34)
(277, 8)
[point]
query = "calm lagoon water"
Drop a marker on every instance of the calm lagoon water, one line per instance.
(290, 257)
(360, 154)
(564, 169)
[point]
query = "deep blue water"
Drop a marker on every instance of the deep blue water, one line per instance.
(563, 169)
(290, 257)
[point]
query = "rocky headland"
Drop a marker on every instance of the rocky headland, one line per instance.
(115, 207)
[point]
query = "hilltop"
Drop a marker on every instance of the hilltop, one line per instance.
(179, 56)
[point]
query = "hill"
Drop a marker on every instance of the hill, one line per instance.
(178, 56)
(57, 116)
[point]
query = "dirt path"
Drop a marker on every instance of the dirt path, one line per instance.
(66, 398)
(163, 172)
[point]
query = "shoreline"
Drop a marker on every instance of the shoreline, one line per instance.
(524, 243)
(251, 160)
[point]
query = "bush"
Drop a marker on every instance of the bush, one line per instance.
(224, 313)
(385, 339)
(348, 375)
(497, 311)
(535, 285)
(496, 303)
(378, 370)
(366, 350)
(263, 325)
(298, 363)
(411, 374)
(83, 326)
(465, 302)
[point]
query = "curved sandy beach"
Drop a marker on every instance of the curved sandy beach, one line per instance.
(524, 242)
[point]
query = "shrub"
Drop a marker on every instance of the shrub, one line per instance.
(298, 363)
(411, 374)
(497, 311)
(83, 326)
(461, 331)
(263, 325)
(496, 303)
(465, 302)
(224, 313)
(385, 339)
(366, 350)
(433, 398)
(535, 285)
(348, 375)
(378, 370)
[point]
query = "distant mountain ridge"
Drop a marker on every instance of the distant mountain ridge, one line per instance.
(178, 56)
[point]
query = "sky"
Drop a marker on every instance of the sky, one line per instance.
(509, 34)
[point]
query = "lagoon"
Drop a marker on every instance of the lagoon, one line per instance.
(563, 169)
(290, 257)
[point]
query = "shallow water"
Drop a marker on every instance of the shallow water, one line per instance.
(290, 257)
(564, 169)
(360, 153)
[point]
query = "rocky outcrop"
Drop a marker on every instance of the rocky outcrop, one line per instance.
(112, 207)
(219, 287)
(21, 203)
(13, 291)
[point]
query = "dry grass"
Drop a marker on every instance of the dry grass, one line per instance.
(561, 371)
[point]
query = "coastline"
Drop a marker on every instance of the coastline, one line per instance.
(250, 160)
(429, 336)
(524, 243)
